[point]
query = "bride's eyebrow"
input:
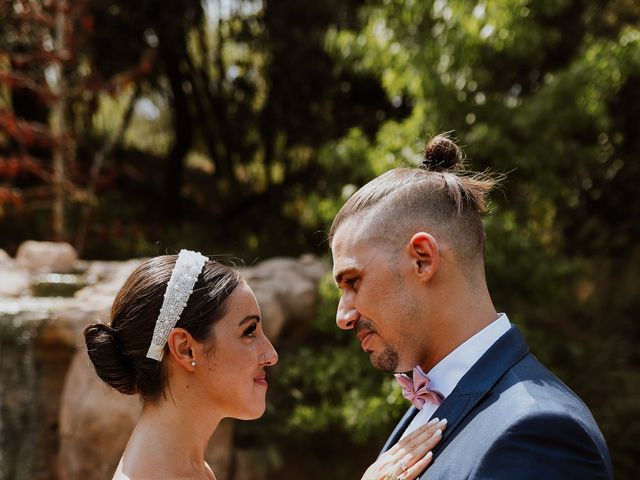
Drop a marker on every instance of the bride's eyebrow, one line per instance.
(248, 318)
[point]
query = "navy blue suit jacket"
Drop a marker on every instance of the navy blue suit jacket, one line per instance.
(510, 418)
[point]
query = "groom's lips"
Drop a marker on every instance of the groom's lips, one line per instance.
(364, 337)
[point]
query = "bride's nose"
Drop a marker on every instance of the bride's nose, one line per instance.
(269, 356)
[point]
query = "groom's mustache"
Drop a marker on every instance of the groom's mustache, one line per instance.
(364, 326)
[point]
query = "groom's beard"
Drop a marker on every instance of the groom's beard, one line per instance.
(387, 360)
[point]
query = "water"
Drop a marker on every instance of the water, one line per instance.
(18, 410)
(58, 284)
(25, 453)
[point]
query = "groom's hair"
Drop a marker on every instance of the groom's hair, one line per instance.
(438, 198)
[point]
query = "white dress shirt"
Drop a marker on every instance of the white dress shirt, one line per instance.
(449, 371)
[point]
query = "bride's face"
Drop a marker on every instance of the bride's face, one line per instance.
(233, 373)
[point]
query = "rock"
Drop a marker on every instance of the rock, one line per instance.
(273, 315)
(95, 424)
(14, 283)
(219, 454)
(250, 465)
(112, 272)
(46, 257)
(81, 424)
(6, 262)
(292, 283)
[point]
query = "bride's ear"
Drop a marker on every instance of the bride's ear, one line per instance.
(182, 348)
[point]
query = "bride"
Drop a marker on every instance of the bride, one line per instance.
(186, 335)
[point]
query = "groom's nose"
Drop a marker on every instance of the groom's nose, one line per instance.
(347, 314)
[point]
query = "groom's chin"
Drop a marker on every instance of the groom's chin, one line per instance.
(387, 360)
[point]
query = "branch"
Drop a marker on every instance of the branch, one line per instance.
(27, 133)
(275, 191)
(12, 166)
(98, 160)
(10, 196)
(13, 80)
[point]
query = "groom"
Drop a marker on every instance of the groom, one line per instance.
(408, 253)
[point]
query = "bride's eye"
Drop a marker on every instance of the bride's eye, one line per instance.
(251, 330)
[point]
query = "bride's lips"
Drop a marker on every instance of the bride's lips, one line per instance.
(261, 380)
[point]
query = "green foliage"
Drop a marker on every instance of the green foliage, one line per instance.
(269, 119)
(545, 93)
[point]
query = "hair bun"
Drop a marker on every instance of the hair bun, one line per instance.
(110, 363)
(441, 154)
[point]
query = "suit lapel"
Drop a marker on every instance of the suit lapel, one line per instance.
(400, 428)
(478, 381)
(483, 375)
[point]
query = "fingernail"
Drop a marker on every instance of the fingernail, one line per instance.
(429, 455)
(443, 421)
(438, 433)
(434, 421)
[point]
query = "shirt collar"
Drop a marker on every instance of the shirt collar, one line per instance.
(449, 371)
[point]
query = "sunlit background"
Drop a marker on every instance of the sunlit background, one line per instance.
(238, 128)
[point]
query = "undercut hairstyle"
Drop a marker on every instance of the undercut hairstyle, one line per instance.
(439, 198)
(118, 350)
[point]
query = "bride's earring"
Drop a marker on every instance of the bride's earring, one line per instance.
(193, 363)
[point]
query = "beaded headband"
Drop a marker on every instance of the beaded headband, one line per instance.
(183, 277)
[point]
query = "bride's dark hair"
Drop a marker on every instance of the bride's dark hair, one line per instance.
(118, 350)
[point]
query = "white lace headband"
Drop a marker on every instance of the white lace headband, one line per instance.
(183, 277)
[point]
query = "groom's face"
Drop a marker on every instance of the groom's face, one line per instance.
(374, 302)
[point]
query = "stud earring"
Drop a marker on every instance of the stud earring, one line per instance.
(193, 363)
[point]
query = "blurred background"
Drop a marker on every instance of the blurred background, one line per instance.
(130, 129)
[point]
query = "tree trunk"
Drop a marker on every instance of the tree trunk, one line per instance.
(58, 126)
(183, 137)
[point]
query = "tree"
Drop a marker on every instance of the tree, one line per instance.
(48, 78)
(545, 92)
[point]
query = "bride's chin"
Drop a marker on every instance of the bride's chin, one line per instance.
(252, 415)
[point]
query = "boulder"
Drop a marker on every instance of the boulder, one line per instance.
(14, 283)
(47, 257)
(95, 424)
(250, 465)
(291, 283)
(6, 261)
(95, 421)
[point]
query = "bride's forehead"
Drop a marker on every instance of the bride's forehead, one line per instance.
(242, 302)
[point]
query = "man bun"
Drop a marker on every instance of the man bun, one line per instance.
(110, 363)
(441, 154)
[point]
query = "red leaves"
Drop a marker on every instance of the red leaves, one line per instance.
(11, 167)
(26, 133)
(10, 196)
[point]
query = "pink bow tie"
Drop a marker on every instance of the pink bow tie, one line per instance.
(417, 391)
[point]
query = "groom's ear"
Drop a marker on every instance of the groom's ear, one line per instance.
(425, 255)
(182, 348)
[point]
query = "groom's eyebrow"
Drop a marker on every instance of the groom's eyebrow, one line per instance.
(341, 273)
(248, 318)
